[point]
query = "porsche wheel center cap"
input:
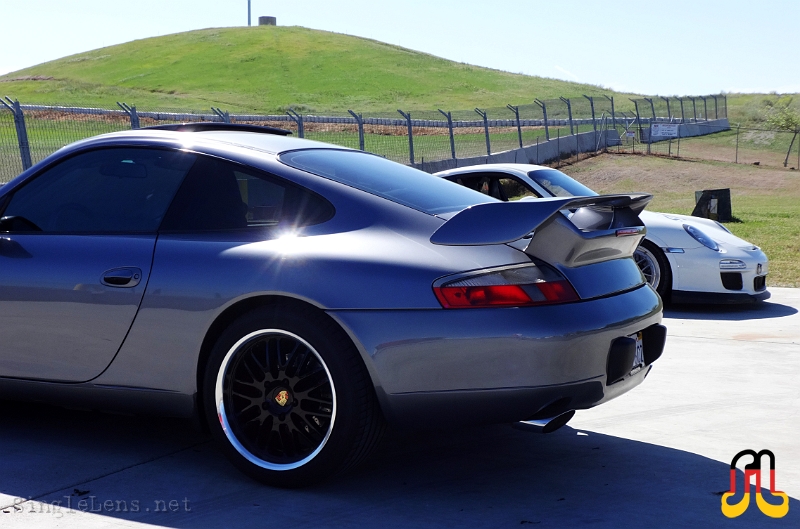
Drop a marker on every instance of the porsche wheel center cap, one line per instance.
(282, 397)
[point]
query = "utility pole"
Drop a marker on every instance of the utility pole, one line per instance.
(248, 12)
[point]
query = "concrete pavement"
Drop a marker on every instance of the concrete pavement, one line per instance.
(658, 456)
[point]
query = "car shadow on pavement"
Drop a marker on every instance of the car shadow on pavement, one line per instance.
(487, 476)
(751, 311)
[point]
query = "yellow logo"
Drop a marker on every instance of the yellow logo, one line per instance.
(282, 398)
(754, 469)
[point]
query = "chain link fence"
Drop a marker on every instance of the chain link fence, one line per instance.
(10, 161)
(414, 137)
(744, 145)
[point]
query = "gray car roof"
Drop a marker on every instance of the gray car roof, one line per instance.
(269, 143)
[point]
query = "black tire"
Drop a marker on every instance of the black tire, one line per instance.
(288, 398)
(655, 267)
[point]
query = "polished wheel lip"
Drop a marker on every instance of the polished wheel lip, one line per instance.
(645, 260)
(222, 415)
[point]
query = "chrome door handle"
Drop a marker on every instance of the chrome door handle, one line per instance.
(122, 277)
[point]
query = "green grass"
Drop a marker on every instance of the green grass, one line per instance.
(749, 110)
(267, 69)
(765, 200)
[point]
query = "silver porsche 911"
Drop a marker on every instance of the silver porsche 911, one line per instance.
(297, 295)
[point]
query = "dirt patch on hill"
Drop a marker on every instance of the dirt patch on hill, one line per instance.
(28, 78)
(612, 173)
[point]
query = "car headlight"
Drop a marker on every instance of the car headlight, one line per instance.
(701, 237)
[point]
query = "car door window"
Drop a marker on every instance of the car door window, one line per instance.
(500, 187)
(514, 189)
(104, 191)
(221, 195)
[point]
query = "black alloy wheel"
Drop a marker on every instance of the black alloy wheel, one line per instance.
(288, 398)
(276, 398)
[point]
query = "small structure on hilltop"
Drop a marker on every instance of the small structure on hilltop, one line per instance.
(267, 21)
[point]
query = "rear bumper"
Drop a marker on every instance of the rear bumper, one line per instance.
(497, 365)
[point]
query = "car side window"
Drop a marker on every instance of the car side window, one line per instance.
(515, 190)
(119, 190)
(497, 186)
(222, 195)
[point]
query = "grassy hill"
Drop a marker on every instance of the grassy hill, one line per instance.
(267, 69)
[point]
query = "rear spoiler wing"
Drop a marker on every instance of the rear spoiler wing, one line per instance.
(599, 228)
(504, 222)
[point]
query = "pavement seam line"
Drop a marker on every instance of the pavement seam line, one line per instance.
(95, 478)
(730, 339)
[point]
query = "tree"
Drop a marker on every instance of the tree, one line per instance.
(785, 118)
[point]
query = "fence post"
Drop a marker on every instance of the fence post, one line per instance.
(705, 107)
(569, 113)
(652, 108)
(544, 113)
(131, 111)
(515, 110)
(683, 116)
(694, 109)
(360, 122)
(410, 136)
(224, 116)
(482, 114)
(716, 108)
(297, 118)
(669, 111)
(650, 132)
(591, 104)
(558, 145)
(737, 142)
(638, 118)
(450, 128)
(613, 115)
(22, 132)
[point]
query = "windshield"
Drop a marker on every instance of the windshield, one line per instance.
(390, 180)
(560, 185)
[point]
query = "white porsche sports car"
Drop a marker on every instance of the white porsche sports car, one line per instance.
(686, 259)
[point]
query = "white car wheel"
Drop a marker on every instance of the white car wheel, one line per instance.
(654, 267)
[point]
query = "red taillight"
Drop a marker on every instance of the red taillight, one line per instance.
(628, 231)
(514, 287)
(488, 296)
(558, 291)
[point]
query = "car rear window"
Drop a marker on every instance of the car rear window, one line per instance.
(559, 184)
(384, 178)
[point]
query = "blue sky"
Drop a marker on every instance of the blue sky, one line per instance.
(667, 48)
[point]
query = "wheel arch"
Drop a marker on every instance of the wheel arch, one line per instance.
(242, 307)
(668, 274)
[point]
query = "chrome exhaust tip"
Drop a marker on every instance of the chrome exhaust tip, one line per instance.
(548, 425)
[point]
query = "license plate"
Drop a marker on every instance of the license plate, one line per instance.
(638, 359)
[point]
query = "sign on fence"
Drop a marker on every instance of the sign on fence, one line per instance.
(665, 130)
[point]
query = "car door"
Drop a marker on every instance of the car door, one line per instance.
(76, 247)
